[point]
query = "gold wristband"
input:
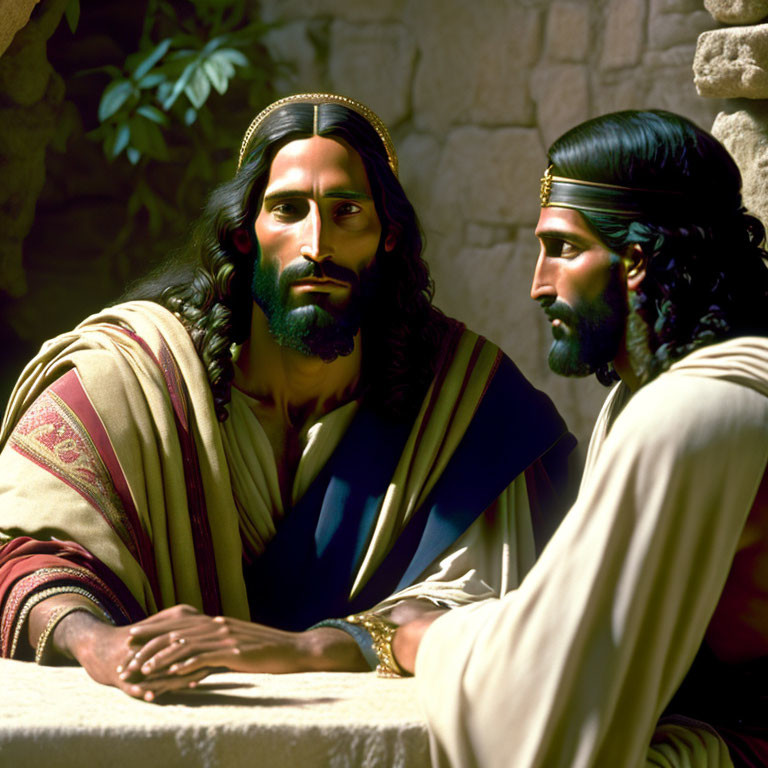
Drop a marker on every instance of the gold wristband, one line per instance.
(46, 636)
(381, 631)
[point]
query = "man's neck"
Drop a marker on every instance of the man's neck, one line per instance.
(633, 362)
(300, 388)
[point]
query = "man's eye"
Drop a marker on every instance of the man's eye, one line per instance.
(348, 209)
(285, 210)
(568, 250)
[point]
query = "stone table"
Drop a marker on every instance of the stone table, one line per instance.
(58, 717)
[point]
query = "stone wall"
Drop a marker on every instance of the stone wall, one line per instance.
(474, 93)
(731, 63)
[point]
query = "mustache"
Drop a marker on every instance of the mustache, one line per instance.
(559, 310)
(301, 270)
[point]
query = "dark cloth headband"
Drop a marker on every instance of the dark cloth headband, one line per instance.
(603, 198)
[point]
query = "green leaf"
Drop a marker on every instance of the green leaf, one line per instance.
(133, 155)
(115, 95)
(236, 57)
(213, 44)
(153, 113)
(151, 80)
(180, 85)
(223, 64)
(198, 88)
(147, 138)
(122, 137)
(111, 70)
(160, 50)
(190, 116)
(216, 75)
(72, 12)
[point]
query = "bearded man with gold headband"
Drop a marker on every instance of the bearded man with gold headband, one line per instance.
(276, 433)
(640, 637)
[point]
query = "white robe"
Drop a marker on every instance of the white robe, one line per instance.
(573, 669)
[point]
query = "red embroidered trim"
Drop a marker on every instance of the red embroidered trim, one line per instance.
(52, 436)
(44, 578)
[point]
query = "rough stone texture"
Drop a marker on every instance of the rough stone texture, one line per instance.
(374, 57)
(474, 92)
(733, 63)
(666, 30)
(290, 45)
(562, 98)
(368, 10)
(737, 11)
(473, 65)
(567, 35)
(34, 95)
(745, 135)
(489, 176)
(623, 37)
(14, 14)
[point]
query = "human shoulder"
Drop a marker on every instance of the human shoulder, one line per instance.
(716, 395)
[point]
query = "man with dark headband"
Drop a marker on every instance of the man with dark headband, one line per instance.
(640, 637)
(283, 450)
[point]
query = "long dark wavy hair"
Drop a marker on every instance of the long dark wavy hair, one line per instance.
(706, 279)
(208, 284)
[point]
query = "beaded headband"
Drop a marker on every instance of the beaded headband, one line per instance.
(602, 198)
(324, 98)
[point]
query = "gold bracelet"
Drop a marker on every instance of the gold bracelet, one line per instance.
(46, 635)
(381, 631)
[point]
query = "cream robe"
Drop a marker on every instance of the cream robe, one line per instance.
(573, 669)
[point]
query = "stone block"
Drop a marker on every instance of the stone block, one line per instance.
(745, 136)
(737, 11)
(373, 63)
(472, 65)
(419, 156)
(562, 98)
(674, 6)
(623, 37)
(291, 47)
(291, 10)
(666, 30)
(567, 35)
(24, 70)
(733, 63)
(488, 175)
(14, 14)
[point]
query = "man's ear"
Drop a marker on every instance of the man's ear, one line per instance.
(241, 240)
(390, 241)
(635, 264)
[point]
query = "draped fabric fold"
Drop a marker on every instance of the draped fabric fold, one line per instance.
(111, 443)
(575, 667)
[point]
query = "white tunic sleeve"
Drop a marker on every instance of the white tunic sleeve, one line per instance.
(572, 669)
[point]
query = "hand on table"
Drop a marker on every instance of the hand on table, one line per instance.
(180, 643)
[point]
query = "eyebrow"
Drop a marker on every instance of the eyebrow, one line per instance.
(556, 234)
(343, 194)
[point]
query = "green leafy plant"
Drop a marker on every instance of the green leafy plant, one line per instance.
(157, 111)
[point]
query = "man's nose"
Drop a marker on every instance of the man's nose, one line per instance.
(316, 244)
(543, 283)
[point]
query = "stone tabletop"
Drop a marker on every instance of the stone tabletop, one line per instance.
(58, 717)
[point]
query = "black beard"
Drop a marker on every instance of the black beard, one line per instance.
(314, 326)
(590, 333)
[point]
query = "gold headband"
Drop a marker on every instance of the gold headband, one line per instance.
(562, 192)
(324, 98)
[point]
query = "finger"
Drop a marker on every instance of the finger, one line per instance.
(225, 658)
(172, 640)
(149, 691)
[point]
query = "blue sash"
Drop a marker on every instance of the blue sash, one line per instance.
(306, 573)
